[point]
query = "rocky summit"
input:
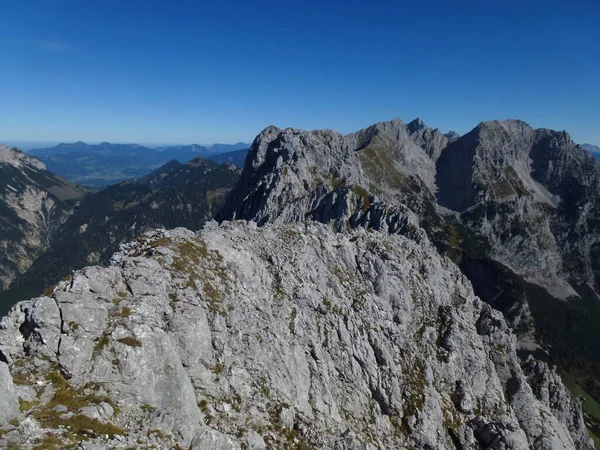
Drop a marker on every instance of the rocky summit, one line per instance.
(345, 300)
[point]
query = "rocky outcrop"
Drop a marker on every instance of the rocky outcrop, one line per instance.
(273, 337)
(288, 173)
(9, 401)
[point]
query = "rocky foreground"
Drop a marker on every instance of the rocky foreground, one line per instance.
(283, 336)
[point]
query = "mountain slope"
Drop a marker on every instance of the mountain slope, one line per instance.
(175, 195)
(33, 204)
(534, 198)
(515, 208)
(284, 336)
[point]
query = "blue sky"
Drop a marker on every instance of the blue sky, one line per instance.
(182, 71)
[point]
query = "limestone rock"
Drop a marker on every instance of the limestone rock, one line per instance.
(287, 334)
(9, 402)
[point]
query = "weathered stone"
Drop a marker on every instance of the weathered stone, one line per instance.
(9, 402)
(60, 409)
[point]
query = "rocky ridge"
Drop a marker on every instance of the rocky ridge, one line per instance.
(515, 208)
(334, 324)
(506, 202)
(281, 336)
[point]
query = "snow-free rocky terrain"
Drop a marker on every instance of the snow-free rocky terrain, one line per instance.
(320, 313)
(290, 336)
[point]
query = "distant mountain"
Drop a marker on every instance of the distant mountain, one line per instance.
(192, 149)
(205, 150)
(176, 195)
(237, 157)
(593, 149)
(100, 165)
(33, 204)
(82, 147)
(222, 148)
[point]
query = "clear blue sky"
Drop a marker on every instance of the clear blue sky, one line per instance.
(183, 71)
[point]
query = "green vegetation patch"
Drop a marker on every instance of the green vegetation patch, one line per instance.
(364, 195)
(130, 341)
(590, 406)
(380, 165)
(73, 399)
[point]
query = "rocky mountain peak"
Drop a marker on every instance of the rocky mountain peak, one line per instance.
(18, 159)
(452, 136)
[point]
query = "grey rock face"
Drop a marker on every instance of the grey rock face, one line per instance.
(516, 208)
(262, 337)
(9, 402)
(508, 175)
(292, 175)
(19, 159)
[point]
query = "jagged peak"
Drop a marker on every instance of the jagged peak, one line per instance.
(452, 136)
(517, 127)
(416, 124)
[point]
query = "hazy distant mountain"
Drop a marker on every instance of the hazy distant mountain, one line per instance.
(237, 157)
(593, 149)
(222, 148)
(205, 149)
(82, 147)
(100, 165)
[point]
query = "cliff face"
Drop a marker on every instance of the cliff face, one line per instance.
(274, 337)
(33, 205)
(533, 194)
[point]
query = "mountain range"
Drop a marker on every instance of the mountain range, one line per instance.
(593, 149)
(33, 204)
(46, 237)
(396, 287)
(100, 165)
